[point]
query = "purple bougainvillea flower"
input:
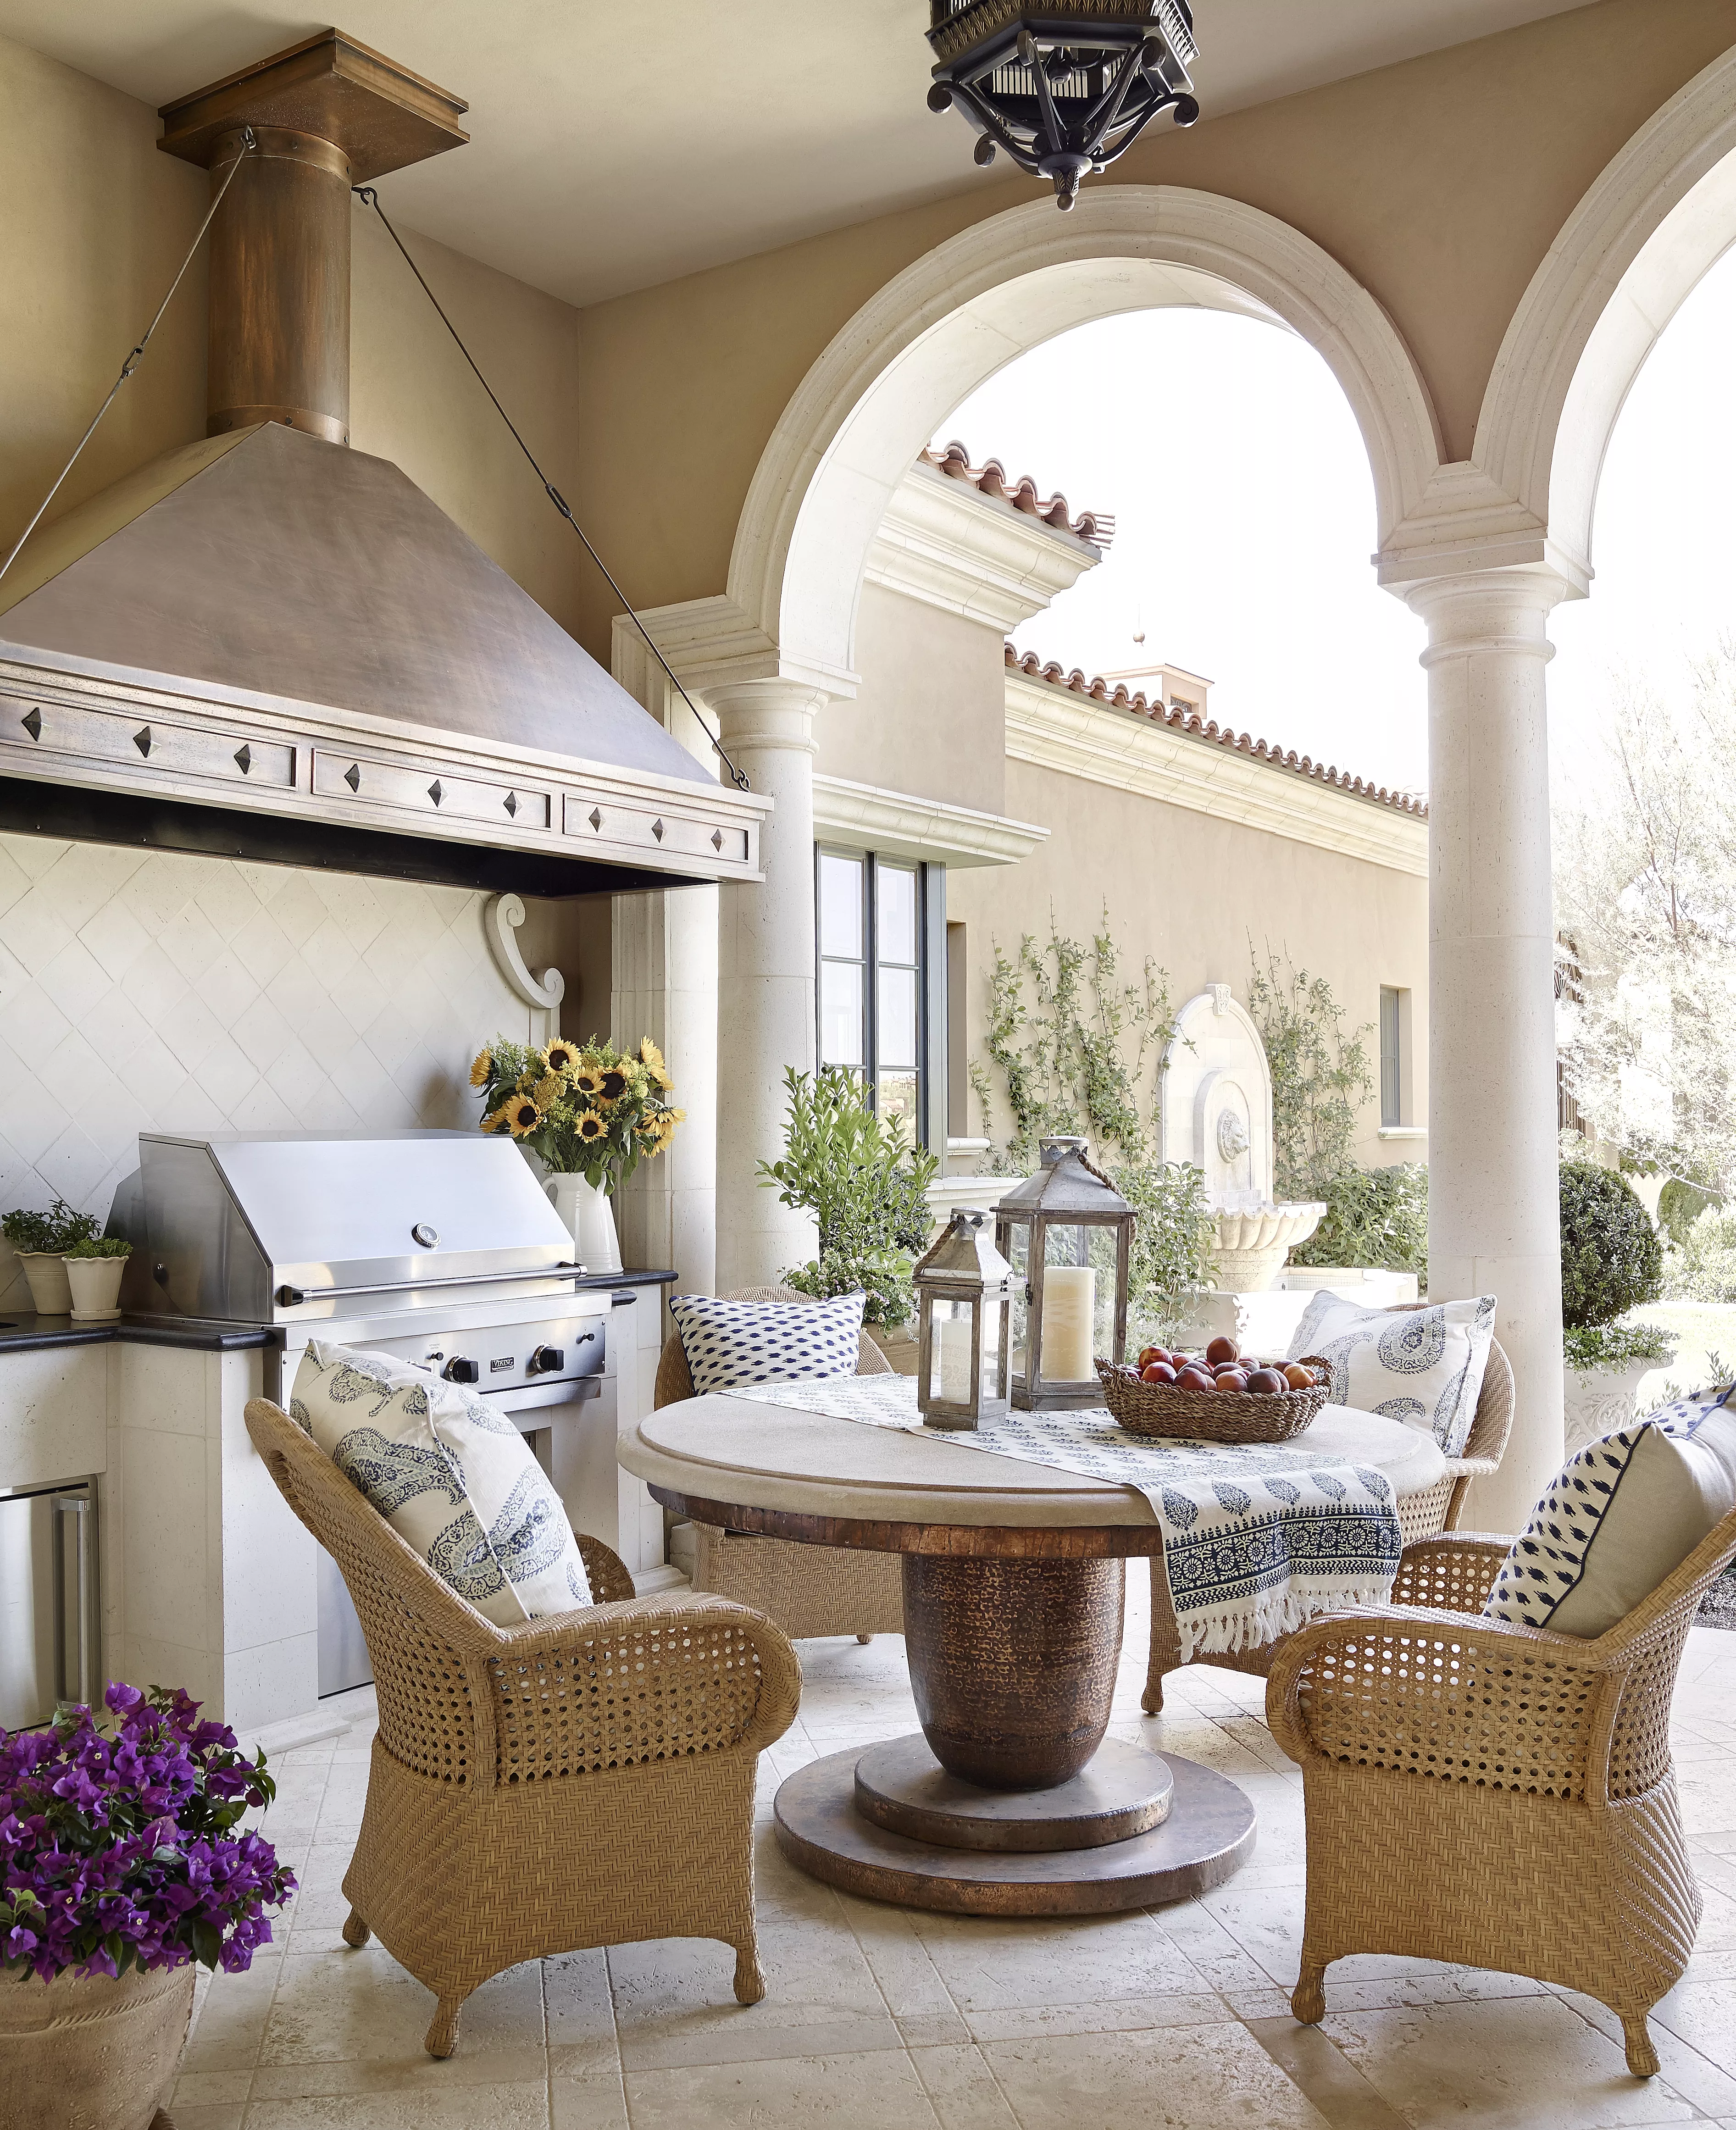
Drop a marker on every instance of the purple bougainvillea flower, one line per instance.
(123, 1846)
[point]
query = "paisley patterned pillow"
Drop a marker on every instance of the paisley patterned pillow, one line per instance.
(450, 1474)
(1422, 1366)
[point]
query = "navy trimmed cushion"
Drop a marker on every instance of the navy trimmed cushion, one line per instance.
(729, 1344)
(1619, 1517)
(452, 1476)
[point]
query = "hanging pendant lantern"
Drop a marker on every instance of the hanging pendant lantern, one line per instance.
(1066, 87)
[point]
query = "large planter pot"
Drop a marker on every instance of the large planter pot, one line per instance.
(87, 2052)
(590, 1221)
(1599, 1401)
(46, 1272)
(96, 1288)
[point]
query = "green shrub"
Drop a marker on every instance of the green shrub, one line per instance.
(1173, 1234)
(1612, 1260)
(866, 1185)
(1679, 1203)
(1590, 1346)
(49, 1233)
(1705, 1268)
(1374, 1216)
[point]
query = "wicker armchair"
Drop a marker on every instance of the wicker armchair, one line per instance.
(806, 1589)
(1437, 1508)
(1498, 1796)
(581, 1780)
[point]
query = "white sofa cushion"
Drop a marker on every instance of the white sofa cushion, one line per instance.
(1422, 1366)
(1619, 1516)
(452, 1475)
(729, 1344)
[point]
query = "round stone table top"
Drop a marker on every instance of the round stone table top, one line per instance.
(778, 1471)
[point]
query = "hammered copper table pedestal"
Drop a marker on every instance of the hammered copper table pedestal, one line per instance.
(1010, 1803)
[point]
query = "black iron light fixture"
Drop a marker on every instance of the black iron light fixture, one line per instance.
(1064, 87)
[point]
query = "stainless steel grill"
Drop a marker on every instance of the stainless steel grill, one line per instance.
(439, 1247)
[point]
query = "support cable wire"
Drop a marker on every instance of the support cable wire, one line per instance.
(371, 198)
(249, 143)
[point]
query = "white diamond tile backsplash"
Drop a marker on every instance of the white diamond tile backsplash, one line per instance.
(146, 991)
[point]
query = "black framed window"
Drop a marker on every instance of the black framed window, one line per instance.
(871, 978)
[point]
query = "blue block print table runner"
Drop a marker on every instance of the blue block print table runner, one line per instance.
(1257, 1537)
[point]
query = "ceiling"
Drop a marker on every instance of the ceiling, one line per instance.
(619, 143)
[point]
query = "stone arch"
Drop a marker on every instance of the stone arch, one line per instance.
(962, 312)
(1661, 213)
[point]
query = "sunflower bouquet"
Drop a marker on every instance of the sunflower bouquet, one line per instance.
(584, 1109)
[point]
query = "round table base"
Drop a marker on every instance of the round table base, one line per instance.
(1208, 1836)
(1125, 1791)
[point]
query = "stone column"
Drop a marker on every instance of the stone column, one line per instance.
(765, 961)
(1493, 1219)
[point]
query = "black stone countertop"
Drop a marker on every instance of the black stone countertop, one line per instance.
(20, 1332)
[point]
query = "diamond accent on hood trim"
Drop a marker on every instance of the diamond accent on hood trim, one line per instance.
(596, 817)
(142, 739)
(435, 792)
(353, 777)
(244, 757)
(31, 722)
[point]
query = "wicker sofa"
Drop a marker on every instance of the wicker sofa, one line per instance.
(1420, 1515)
(1495, 1795)
(515, 1769)
(806, 1589)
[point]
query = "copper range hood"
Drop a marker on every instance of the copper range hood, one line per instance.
(267, 645)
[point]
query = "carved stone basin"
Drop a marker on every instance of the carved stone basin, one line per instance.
(1253, 1242)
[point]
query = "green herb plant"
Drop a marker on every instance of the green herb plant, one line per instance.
(51, 1234)
(100, 1246)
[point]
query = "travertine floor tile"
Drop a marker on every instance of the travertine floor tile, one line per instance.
(1177, 2078)
(1513, 2063)
(875, 2092)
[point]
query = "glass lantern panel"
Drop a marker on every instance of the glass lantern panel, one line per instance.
(1073, 1282)
(990, 1379)
(1016, 1251)
(949, 1352)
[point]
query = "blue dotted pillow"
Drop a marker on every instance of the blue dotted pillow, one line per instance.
(730, 1345)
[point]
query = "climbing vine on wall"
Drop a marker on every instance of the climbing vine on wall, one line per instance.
(1320, 1075)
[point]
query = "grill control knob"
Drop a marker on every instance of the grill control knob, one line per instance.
(545, 1361)
(458, 1370)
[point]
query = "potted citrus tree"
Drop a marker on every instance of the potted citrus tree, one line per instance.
(1612, 1262)
(41, 1240)
(125, 1865)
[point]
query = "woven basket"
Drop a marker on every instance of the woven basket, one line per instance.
(1210, 1416)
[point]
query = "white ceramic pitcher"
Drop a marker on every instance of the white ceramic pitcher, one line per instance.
(590, 1219)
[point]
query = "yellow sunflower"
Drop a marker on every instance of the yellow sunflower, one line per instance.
(652, 1058)
(560, 1056)
(495, 1120)
(587, 1080)
(614, 1086)
(523, 1116)
(592, 1128)
(482, 1071)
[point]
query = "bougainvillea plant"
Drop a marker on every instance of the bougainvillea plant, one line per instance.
(119, 1842)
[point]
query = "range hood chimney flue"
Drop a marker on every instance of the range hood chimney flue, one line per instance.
(327, 114)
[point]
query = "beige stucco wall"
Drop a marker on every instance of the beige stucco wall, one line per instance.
(1440, 183)
(1202, 896)
(928, 717)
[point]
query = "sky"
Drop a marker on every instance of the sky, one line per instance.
(1245, 519)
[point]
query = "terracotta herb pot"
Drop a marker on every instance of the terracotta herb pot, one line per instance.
(96, 1288)
(46, 1272)
(88, 2052)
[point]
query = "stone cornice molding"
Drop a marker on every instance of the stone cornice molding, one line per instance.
(865, 817)
(870, 401)
(1465, 526)
(1079, 736)
(1658, 215)
(947, 544)
(711, 642)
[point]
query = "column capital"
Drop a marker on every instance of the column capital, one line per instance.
(1488, 612)
(1467, 526)
(777, 711)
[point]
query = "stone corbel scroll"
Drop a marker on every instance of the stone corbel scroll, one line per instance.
(501, 919)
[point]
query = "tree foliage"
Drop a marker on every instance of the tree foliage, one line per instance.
(1374, 1216)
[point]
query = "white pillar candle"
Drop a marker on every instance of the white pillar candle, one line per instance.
(1068, 1306)
(952, 1358)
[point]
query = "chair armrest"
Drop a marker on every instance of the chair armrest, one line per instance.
(1451, 1572)
(1426, 1691)
(654, 1679)
(608, 1573)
